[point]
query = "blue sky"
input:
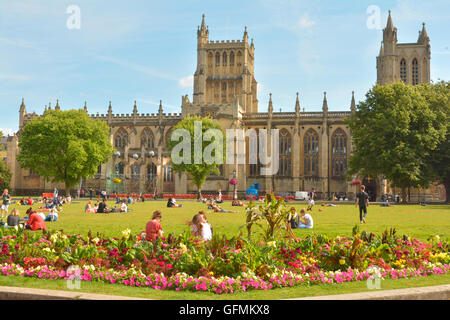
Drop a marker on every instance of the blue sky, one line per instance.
(146, 50)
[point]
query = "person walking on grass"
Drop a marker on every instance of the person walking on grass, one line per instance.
(6, 199)
(362, 199)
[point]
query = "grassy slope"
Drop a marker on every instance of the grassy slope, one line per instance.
(416, 221)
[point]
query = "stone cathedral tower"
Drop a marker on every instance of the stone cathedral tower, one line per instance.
(408, 62)
(225, 70)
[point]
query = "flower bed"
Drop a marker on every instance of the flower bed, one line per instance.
(220, 265)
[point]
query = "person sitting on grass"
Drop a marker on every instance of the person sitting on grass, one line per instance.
(12, 221)
(306, 221)
(30, 201)
(123, 207)
(153, 228)
(293, 218)
(219, 197)
(35, 221)
(200, 228)
(53, 215)
(103, 208)
(88, 208)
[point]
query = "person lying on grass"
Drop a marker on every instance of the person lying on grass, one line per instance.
(217, 208)
(237, 203)
(172, 203)
(53, 215)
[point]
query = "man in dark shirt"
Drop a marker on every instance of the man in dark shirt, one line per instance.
(362, 199)
(102, 208)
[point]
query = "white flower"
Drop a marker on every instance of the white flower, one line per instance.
(95, 240)
(272, 244)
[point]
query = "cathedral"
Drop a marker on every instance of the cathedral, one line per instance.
(314, 147)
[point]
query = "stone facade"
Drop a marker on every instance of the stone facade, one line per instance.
(314, 146)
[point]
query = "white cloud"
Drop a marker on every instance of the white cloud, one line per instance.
(7, 131)
(186, 82)
(305, 22)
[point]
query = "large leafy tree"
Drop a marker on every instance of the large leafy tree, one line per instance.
(438, 162)
(394, 131)
(64, 146)
(214, 146)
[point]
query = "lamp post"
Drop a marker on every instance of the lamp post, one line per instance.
(152, 176)
(235, 191)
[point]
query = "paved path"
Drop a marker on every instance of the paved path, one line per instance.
(421, 293)
(19, 293)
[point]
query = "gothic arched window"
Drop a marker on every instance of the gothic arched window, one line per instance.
(285, 156)
(217, 59)
(403, 76)
(147, 139)
(311, 153)
(415, 72)
(121, 139)
(339, 153)
(239, 58)
(119, 168)
(232, 58)
(168, 173)
(224, 59)
(151, 171)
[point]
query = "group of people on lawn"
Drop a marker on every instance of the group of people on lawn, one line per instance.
(200, 227)
(33, 221)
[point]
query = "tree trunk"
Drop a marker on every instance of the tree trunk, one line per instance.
(404, 195)
(66, 189)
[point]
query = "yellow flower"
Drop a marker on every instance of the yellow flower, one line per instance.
(126, 233)
(342, 261)
(272, 244)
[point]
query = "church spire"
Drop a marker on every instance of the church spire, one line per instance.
(57, 107)
(270, 104)
(110, 108)
(390, 24)
(135, 110)
(423, 36)
(325, 103)
(160, 110)
(85, 107)
(245, 35)
(203, 31)
(353, 104)
(297, 105)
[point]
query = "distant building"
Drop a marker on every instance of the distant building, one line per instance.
(314, 146)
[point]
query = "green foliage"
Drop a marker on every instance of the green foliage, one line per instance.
(199, 172)
(394, 131)
(5, 176)
(271, 217)
(438, 168)
(64, 146)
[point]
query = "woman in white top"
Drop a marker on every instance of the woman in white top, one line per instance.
(200, 228)
(123, 207)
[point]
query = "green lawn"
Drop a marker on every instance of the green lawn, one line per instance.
(414, 220)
